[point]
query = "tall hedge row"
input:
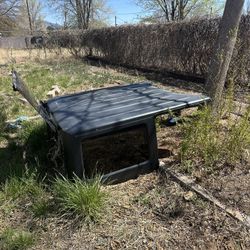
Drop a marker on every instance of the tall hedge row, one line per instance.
(183, 47)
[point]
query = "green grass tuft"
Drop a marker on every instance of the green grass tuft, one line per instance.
(25, 190)
(41, 206)
(16, 187)
(12, 189)
(81, 198)
(12, 239)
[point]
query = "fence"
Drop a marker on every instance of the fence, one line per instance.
(14, 42)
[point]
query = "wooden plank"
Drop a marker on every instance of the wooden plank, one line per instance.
(191, 185)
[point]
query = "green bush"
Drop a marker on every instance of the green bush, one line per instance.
(81, 198)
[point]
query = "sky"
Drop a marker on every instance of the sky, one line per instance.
(125, 11)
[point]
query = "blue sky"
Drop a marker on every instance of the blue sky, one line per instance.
(126, 11)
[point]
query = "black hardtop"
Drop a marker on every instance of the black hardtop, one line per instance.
(85, 112)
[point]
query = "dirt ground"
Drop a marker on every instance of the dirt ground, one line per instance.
(230, 184)
(147, 213)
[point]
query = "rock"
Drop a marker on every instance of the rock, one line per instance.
(55, 90)
(161, 164)
(189, 196)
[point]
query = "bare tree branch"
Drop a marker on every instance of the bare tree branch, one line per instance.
(8, 7)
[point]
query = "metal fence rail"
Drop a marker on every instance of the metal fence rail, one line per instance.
(15, 42)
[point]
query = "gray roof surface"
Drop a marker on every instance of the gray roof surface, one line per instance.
(81, 113)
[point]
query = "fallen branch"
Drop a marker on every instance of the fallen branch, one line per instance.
(239, 114)
(191, 185)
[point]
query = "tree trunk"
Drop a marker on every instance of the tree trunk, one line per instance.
(223, 51)
(166, 11)
(79, 14)
(173, 9)
(29, 16)
(87, 12)
(83, 11)
(65, 15)
(181, 10)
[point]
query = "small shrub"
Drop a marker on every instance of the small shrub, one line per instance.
(201, 138)
(81, 198)
(13, 239)
(206, 139)
(238, 138)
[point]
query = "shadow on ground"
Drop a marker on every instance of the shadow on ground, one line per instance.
(185, 82)
(25, 150)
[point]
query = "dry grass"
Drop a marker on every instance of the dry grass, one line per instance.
(147, 213)
(12, 56)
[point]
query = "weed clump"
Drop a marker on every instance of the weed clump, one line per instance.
(208, 140)
(25, 190)
(12, 239)
(16, 187)
(81, 198)
(237, 141)
(200, 138)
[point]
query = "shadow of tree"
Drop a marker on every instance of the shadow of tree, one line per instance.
(186, 82)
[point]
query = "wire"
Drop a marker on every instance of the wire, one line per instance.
(122, 20)
(135, 13)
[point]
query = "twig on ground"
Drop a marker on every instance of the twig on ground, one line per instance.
(191, 185)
